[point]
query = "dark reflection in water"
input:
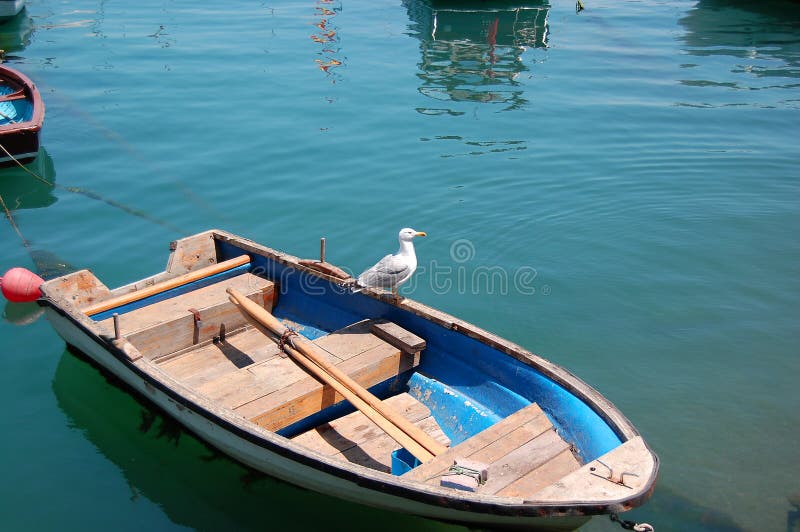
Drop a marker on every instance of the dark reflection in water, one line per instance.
(15, 33)
(194, 484)
(472, 51)
(756, 43)
(22, 188)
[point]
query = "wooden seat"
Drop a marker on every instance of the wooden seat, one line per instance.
(248, 373)
(355, 439)
(523, 453)
(170, 325)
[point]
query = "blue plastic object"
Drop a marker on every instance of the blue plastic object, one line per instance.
(403, 462)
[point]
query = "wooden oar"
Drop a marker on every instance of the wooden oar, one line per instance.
(337, 378)
(175, 282)
(386, 425)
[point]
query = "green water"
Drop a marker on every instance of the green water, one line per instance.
(616, 190)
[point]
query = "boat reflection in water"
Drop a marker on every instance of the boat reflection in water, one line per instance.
(31, 187)
(193, 484)
(472, 51)
(15, 32)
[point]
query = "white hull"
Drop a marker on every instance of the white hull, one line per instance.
(244, 449)
(9, 8)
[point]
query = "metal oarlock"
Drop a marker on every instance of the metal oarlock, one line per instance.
(611, 476)
(322, 249)
(117, 333)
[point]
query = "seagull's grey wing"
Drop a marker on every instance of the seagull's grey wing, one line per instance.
(386, 273)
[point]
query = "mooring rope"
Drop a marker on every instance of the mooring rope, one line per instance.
(92, 195)
(13, 224)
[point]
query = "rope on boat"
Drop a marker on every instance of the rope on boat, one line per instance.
(13, 224)
(461, 470)
(286, 338)
(632, 525)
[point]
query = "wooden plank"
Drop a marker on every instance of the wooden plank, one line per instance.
(356, 439)
(513, 440)
(522, 460)
(474, 444)
(163, 286)
(228, 360)
(192, 253)
(392, 333)
(263, 379)
(284, 407)
(552, 471)
(350, 341)
(175, 307)
(79, 288)
(168, 326)
(355, 428)
(587, 483)
(376, 452)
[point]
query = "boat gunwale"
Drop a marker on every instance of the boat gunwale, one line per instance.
(34, 123)
(602, 406)
(434, 496)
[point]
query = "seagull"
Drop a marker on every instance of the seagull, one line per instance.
(392, 270)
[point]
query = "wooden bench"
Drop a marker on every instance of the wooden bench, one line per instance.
(523, 453)
(248, 374)
(354, 438)
(171, 325)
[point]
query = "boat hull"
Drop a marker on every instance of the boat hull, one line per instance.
(21, 117)
(10, 8)
(258, 456)
(512, 380)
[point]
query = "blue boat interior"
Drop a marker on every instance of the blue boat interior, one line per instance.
(467, 385)
(14, 111)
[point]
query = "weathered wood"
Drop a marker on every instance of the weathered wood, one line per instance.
(550, 472)
(191, 253)
(163, 286)
(474, 444)
(169, 326)
(307, 396)
(522, 460)
(587, 483)
(350, 341)
(79, 288)
(522, 453)
(406, 341)
(409, 436)
(355, 428)
(326, 268)
(356, 439)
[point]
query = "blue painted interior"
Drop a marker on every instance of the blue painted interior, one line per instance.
(467, 384)
(16, 110)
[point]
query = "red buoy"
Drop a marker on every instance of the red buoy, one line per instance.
(20, 285)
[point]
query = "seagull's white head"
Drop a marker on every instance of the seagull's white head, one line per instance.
(407, 234)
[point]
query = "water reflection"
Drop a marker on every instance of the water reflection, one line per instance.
(15, 33)
(327, 37)
(472, 51)
(754, 45)
(30, 187)
(193, 484)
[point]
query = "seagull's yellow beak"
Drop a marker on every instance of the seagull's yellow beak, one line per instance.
(420, 233)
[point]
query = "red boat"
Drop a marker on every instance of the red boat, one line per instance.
(21, 118)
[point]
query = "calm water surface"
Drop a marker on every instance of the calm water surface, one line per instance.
(630, 174)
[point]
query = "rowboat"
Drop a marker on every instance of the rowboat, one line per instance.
(21, 118)
(370, 397)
